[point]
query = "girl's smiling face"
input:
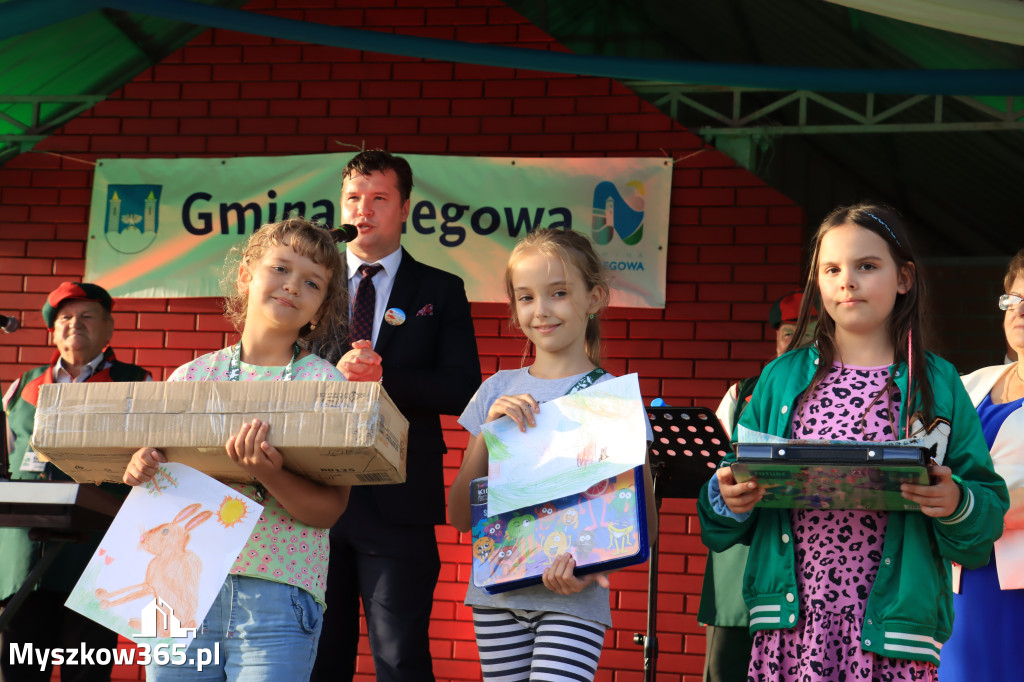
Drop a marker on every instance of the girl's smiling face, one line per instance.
(859, 279)
(552, 303)
(285, 290)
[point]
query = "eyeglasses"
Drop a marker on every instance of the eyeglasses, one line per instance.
(1009, 301)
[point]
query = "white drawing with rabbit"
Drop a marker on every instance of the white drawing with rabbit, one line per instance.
(172, 574)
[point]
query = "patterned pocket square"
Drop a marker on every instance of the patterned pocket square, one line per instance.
(428, 309)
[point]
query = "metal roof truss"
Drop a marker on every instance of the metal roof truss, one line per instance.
(33, 124)
(813, 113)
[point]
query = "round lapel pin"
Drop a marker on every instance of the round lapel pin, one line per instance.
(394, 316)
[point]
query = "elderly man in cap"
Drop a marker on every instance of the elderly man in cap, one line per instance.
(728, 641)
(79, 318)
(782, 317)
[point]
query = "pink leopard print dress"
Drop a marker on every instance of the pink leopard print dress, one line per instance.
(837, 552)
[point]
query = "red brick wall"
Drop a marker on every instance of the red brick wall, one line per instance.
(734, 242)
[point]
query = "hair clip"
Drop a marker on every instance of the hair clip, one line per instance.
(885, 226)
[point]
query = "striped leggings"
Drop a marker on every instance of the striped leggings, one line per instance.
(516, 646)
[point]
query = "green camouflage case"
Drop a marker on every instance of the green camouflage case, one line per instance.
(802, 476)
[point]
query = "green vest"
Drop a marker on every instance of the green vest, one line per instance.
(20, 553)
(721, 596)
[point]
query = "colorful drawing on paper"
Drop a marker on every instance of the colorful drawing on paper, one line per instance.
(580, 440)
(605, 524)
(165, 556)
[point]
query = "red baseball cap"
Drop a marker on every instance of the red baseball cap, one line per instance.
(74, 290)
(786, 310)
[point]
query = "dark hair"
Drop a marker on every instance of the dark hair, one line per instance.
(306, 239)
(572, 249)
(907, 313)
(1014, 270)
(378, 160)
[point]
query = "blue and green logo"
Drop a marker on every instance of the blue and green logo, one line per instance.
(133, 214)
(615, 213)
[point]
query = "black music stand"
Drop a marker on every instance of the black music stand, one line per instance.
(53, 511)
(689, 442)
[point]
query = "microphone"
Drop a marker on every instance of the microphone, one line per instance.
(8, 324)
(345, 233)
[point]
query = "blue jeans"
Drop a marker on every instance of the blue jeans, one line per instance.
(265, 632)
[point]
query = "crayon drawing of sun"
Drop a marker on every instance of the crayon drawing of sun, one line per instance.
(232, 510)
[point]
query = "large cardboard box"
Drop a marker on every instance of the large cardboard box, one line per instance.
(335, 432)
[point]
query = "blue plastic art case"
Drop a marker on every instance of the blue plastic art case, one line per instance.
(605, 527)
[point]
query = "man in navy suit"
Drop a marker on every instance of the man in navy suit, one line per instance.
(383, 548)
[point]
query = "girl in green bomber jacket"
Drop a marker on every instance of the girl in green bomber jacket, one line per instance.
(845, 594)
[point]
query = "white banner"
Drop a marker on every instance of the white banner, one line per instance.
(161, 228)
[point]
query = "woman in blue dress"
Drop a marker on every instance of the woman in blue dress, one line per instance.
(989, 605)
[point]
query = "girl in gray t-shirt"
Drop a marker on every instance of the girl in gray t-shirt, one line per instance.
(556, 288)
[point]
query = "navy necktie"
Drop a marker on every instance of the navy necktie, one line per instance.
(365, 304)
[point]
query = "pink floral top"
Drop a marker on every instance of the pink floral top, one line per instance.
(281, 548)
